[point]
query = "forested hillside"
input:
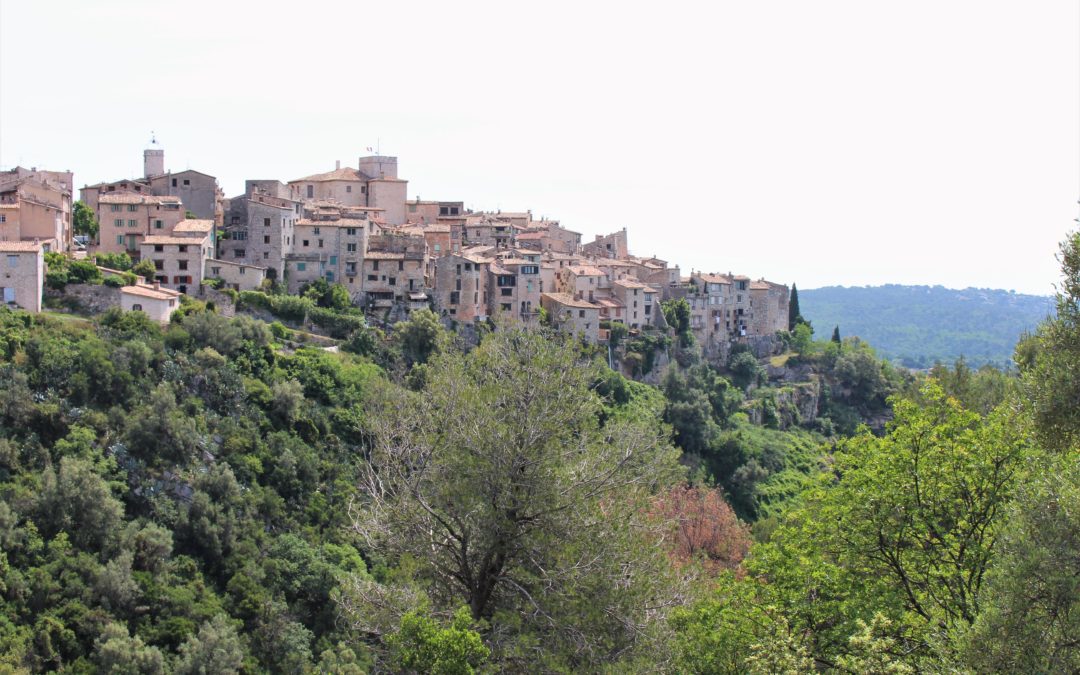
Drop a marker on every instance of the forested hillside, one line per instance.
(918, 325)
(221, 496)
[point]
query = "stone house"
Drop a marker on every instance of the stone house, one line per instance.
(238, 276)
(158, 303)
(613, 246)
(582, 282)
(572, 315)
(768, 307)
(127, 218)
(461, 291)
(639, 300)
(260, 227)
(514, 285)
(374, 183)
(179, 261)
(37, 206)
(22, 274)
(199, 192)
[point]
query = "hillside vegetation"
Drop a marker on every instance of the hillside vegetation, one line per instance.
(918, 325)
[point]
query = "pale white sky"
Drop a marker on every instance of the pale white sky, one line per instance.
(827, 142)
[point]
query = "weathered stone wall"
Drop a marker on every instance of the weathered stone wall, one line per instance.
(91, 298)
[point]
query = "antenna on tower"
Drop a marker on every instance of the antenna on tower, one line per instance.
(153, 138)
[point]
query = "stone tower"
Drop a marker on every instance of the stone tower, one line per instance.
(153, 159)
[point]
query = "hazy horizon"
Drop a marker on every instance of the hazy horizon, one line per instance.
(836, 143)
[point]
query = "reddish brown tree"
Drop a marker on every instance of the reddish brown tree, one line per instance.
(703, 527)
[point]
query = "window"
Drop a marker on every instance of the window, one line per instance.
(455, 297)
(505, 306)
(333, 260)
(310, 191)
(115, 207)
(412, 208)
(174, 182)
(187, 182)
(158, 248)
(136, 307)
(182, 264)
(119, 222)
(320, 243)
(330, 275)
(350, 231)
(119, 239)
(351, 248)
(348, 188)
(3, 219)
(375, 265)
(266, 255)
(132, 208)
(239, 253)
(437, 248)
(133, 223)
(507, 291)
(159, 265)
(159, 224)
(363, 189)
(444, 211)
(300, 267)
(266, 239)
(13, 261)
(372, 277)
(239, 235)
(183, 248)
(236, 220)
(305, 242)
(216, 271)
(317, 230)
(242, 270)
(350, 268)
(266, 222)
(581, 313)
(392, 281)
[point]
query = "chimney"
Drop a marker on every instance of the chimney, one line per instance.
(337, 164)
(157, 285)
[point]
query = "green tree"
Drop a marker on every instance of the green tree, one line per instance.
(677, 314)
(145, 268)
(836, 335)
(1052, 381)
(421, 645)
(419, 337)
(1031, 617)
(216, 649)
(794, 315)
(502, 488)
(84, 220)
(118, 652)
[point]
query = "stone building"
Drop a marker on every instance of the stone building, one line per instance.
(572, 315)
(260, 227)
(375, 183)
(158, 303)
(238, 276)
(37, 206)
(127, 218)
(514, 285)
(461, 287)
(22, 274)
(179, 261)
(613, 246)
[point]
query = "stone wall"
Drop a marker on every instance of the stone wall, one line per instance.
(90, 298)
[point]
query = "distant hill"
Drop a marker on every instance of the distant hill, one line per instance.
(917, 325)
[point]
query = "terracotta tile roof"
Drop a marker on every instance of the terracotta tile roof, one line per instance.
(760, 285)
(170, 241)
(150, 292)
(344, 173)
(586, 271)
(715, 279)
(629, 283)
(20, 246)
(341, 222)
(193, 225)
(567, 300)
(609, 302)
(532, 236)
(136, 198)
(384, 255)
(232, 263)
(437, 229)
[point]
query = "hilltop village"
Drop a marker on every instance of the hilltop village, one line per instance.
(357, 228)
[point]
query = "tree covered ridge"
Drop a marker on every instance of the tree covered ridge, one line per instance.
(917, 326)
(213, 497)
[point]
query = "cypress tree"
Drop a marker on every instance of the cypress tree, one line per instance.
(836, 334)
(793, 317)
